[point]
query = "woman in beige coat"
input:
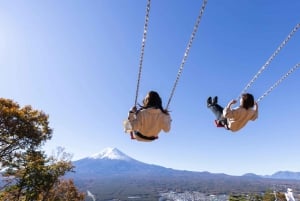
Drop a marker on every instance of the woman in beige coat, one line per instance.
(145, 123)
(234, 119)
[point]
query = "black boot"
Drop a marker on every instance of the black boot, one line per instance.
(209, 102)
(215, 100)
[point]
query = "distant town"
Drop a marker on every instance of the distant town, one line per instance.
(198, 196)
(191, 196)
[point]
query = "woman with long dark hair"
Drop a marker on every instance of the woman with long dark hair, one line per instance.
(145, 123)
(234, 118)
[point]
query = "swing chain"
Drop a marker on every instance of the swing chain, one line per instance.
(279, 81)
(270, 59)
(142, 50)
(186, 53)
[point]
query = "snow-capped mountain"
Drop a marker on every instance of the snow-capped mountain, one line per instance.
(112, 154)
(112, 162)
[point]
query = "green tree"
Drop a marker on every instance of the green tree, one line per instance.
(237, 198)
(250, 197)
(32, 176)
(269, 196)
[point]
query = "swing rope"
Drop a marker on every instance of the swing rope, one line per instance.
(270, 59)
(186, 53)
(279, 81)
(142, 50)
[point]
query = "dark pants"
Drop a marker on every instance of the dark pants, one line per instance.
(217, 110)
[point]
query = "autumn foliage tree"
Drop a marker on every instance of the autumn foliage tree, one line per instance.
(29, 174)
(21, 129)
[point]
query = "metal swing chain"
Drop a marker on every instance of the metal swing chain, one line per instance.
(187, 50)
(270, 59)
(279, 81)
(142, 50)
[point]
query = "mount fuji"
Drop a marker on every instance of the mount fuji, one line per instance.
(112, 162)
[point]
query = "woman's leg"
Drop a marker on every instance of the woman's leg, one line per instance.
(217, 110)
(213, 105)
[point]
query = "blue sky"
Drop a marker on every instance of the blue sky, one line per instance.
(78, 62)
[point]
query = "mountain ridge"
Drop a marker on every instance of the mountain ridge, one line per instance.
(114, 156)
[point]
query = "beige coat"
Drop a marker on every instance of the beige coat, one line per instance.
(237, 118)
(150, 122)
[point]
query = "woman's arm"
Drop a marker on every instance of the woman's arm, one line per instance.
(132, 113)
(228, 112)
(167, 123)
(256, 112)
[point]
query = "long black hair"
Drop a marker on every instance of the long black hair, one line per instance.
(153, 100)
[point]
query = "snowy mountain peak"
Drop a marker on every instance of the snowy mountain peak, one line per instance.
(112, 154)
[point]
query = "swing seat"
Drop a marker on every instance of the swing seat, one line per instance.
(218, 123)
